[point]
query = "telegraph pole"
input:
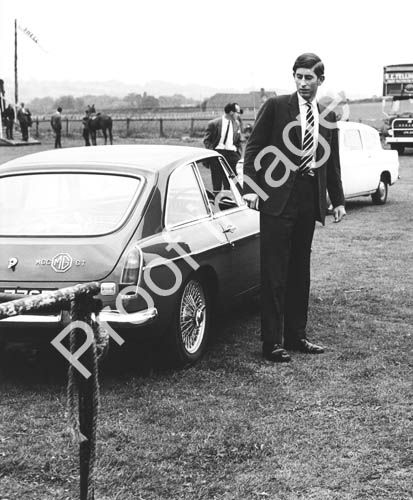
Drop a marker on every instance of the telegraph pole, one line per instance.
(16, 87)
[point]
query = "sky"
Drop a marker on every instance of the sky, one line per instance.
(221, 43)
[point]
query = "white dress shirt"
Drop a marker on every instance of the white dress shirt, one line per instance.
(302, 104)
(229, 143)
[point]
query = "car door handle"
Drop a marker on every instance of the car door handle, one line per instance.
(230, 229)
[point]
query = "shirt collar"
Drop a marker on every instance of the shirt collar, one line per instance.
(303, 102)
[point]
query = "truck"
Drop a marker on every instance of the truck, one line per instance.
(398, 106)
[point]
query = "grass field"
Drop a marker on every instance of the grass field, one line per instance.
(332, 427)
(367, 112)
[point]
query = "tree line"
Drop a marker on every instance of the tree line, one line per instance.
(69, 103)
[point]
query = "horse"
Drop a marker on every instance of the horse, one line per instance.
(99, 121)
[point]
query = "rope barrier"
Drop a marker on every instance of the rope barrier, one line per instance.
(83, 395)
(88, 396)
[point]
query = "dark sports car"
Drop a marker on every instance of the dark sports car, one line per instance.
(163, 229)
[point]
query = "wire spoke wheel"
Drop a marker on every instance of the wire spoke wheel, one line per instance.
(187, 336)
(192, 316)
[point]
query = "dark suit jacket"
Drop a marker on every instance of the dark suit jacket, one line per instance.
(213, 134)
(275, 116)
(56, 121)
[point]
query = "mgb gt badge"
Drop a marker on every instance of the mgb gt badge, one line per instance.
(61, 262)
(13, 261)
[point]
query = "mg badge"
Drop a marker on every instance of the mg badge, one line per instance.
(13, 261)
(61, 262)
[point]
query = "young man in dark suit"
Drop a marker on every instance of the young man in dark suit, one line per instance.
(224, 135)
(290, 160)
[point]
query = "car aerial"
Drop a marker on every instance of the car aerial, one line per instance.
(366, 168)
(163, 229)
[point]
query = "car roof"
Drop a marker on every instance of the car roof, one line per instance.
(344, 125)
(151, 158)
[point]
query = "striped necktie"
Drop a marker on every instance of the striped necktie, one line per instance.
(308, 143)
(226, 133)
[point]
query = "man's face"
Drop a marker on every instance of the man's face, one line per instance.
(235, 114)
(307, 83)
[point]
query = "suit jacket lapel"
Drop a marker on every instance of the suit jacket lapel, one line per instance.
(295, 116)
(218, 131)
(235, 131)
(322, 132)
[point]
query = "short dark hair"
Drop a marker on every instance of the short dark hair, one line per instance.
(59, 109)
(309, 61)
(231, 106)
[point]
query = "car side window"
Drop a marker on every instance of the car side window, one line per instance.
(184, 199)
(221, 190)
(352, 140)
(371, 139)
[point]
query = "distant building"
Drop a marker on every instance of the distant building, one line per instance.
(249, 101)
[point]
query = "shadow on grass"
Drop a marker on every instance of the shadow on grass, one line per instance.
(42, 364)
(363, 203)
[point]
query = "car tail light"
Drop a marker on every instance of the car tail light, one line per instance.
(132, 267)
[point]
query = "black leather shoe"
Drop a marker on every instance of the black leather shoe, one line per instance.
(276, 353)
(304, 345)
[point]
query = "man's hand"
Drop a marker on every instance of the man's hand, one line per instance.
(251, 199)
(339, 212)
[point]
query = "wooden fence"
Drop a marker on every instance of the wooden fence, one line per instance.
(140, 127)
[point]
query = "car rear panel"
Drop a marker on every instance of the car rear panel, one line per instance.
(55, 260)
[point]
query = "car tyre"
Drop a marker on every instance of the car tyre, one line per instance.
(380, 196)
(187, 338)
(398, 148)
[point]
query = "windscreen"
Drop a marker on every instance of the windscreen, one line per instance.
(397, 106)
(65, 203)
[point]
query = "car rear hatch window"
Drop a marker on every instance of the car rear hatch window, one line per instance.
(65, 203)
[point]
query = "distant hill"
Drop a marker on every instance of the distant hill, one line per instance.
(29, 90)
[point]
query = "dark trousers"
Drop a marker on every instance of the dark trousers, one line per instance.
(86, 137)
(9, 128)
(25, 131)
(58, 138)
(232, 158)
(285, 265)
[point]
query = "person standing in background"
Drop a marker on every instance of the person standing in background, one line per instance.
(9, 117)
(85, 125)
(25, 120)
(224, 135)
(56, 123)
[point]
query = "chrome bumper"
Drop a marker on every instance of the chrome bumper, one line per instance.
(139, 318)
(399, 140)
(49, 319)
